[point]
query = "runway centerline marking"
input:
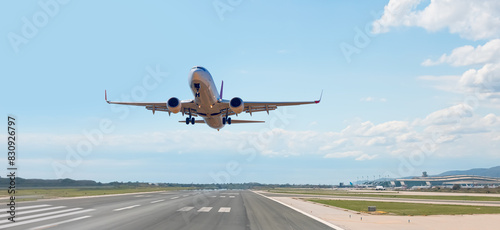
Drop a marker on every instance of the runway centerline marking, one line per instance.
(175, 197)
(231, 196)
(156, 201)
(129, 207)
(222, 196)
(185, 209)
(58, 223)
(205, 209)
(225, 209)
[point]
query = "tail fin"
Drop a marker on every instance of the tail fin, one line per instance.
(221, 89)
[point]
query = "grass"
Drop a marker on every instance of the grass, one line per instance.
(39, 193)
(409, 209)
(387, 195)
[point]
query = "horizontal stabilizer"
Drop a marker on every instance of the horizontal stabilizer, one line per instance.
(244, 121)
(195, 121)
(232, 121)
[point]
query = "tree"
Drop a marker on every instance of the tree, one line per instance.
(456, 187)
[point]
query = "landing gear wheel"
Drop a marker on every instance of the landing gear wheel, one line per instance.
(229, 120)
(223, 120)
(187, 120)
(192, 120)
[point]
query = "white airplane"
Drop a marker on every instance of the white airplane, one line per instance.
(208, 104)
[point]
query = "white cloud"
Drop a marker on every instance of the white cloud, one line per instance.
(479, 19)
(343, 154)
(366, 157)
(448, 115)
(484, 82)
(447, 83)
(468, 55)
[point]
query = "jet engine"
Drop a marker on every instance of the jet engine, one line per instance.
(236, 104)
(174, 105)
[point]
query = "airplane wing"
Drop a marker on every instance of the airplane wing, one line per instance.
(188, 106)
(259, 106)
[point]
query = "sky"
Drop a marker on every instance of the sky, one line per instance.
(408, 86)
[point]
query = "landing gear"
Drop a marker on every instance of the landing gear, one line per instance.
(190, 119)
(226, 120)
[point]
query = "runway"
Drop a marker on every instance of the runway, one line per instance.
(178, 210)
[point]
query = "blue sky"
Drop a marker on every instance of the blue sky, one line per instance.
(407, 88)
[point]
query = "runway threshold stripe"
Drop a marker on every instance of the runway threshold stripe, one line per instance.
(225, 209)
(129, 207)
(156, 201)
(58, 223)
(44, 218)
(205, 209)
(25, 207)
(32, 211)
(40, 215)
(185, 209)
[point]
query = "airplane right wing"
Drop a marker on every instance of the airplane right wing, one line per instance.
(187, 106)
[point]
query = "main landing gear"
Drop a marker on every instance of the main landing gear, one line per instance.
(226, 120)
(189, 119)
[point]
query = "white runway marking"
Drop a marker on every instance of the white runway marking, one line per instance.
(156, 201)
(205, 209)
(25, 207)
(129, 207)
(185, 209)
(225, 209)
(213, 196)
(139, 196)
(42, 219)
(231, 196)
(32, 211)
(222, 196)
(174, 197)
(40, 215)
(58, 223)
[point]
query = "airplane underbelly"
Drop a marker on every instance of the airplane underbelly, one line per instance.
(214, 122)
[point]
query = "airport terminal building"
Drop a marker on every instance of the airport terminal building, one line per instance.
(447, 181)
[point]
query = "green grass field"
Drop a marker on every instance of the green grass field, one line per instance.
(385, 195)
(34, 194)
(411, 209)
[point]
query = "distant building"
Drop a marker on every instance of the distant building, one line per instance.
(447, 181)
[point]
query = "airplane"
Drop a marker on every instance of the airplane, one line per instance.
(208, 103)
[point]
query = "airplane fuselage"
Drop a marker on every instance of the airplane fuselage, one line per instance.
(206, 96)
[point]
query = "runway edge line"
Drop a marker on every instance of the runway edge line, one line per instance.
(303, 213)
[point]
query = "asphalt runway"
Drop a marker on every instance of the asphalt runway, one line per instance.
(178, 210)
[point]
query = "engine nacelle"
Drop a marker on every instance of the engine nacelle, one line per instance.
(174, 105)
(237, 105)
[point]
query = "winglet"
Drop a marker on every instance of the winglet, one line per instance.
(106, 96)
(318, 101)
(221, 89)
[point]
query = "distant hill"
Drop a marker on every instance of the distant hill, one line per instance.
(490, 172)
